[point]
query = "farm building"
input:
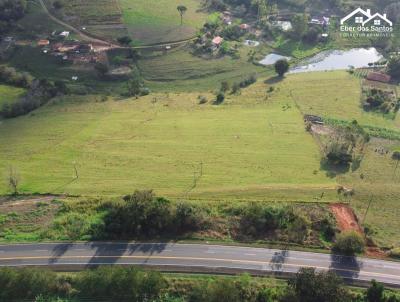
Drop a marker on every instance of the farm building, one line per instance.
(43, 43)
(378, 77)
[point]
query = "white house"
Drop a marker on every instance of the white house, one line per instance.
(359, 15)
(378, 19)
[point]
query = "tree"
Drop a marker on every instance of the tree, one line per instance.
(125, 40)
(13, 179)
(101, 68)
(135, 84)
(300, 25)
(394, 67)
(182, 10)
(281, 67)
(396, 157)
(311, 286)
(339, 153)
(349, 243)
(375, 292)
(58, 4)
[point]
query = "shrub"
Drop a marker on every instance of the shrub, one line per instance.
(349, 243)
(220, 98)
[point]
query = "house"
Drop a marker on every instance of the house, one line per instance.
(320, 20)
(217, 41)
(43, 43)
(283, 25)
(64, 34)
(358, 16)
(378, 77)
(378, 20)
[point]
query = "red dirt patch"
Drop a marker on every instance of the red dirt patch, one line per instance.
(345, 217)
(347, 221)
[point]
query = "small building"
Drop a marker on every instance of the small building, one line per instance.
(378, 77)
(320, 20)
(244, 26)
(217, 41)
(283, 25)
(43, 43)
(64, 34)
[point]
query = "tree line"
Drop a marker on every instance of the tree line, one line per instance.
(114, 283)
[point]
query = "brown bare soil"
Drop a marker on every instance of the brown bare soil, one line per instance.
(345, 217)
(348, 221)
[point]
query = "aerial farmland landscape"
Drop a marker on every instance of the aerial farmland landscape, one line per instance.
(199, 150)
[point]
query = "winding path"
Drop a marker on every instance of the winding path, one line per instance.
(89, 38)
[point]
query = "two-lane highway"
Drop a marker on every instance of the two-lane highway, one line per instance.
(196, 258)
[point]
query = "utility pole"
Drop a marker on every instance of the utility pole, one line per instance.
(369, 205)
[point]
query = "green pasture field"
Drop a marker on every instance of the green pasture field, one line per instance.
(157, 21)
(9, 94)
(334, 94)
(169, 143)
(178, 70)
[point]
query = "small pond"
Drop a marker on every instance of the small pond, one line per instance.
(339, 59)
(272, 58)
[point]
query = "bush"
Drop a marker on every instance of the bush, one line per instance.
(349, 243)
(394, 67)
(121, 284)
(395, 253)
(220, 98)
(339, 153)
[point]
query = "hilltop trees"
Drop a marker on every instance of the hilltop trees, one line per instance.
(182, 10)
(10, 12)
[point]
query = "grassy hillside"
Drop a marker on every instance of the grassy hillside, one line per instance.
(9, 94)
(155, 21)
(160, 142)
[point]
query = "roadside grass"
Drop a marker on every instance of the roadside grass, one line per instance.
(163, 142)
(9, 94)
(157, 21)
(377, 179)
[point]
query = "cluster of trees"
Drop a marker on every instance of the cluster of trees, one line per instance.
(130, 284)
(39, 93)
(10, 76)
(382, 101)
(143, 215)
(10, 12)
(340, 150)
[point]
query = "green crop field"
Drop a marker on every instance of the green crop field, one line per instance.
(165, 142)
(155, 21)
(9, 94)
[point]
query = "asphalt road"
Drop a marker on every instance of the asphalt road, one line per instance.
(195, 258)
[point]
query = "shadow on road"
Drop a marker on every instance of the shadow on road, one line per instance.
(278, 260)
(111, 253)
(347, 267)
(58, 251)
